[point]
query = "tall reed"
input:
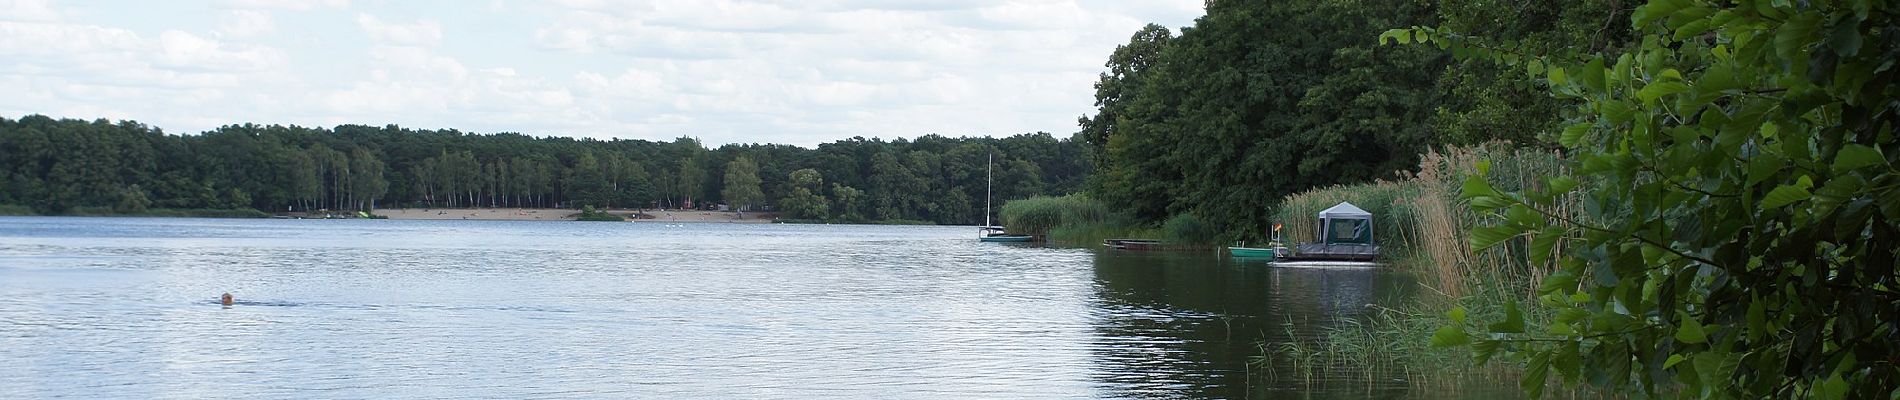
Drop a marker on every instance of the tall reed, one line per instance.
(1063, 218)
(1421, 224)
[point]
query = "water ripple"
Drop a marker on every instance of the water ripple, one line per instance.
(454, 309)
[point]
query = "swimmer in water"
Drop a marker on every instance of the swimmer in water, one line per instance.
(226, 300)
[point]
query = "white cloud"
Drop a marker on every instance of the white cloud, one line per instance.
(798, 72)
(181, 50)
(245, 23)
(171, 78)
(27, 10)
(291, 5)
(420, 33)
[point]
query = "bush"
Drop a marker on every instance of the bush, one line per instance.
(16, 210)
(588, 213)
(1039, 215)
(1186, 229)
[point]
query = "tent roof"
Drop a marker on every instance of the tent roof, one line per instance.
(1345, 211)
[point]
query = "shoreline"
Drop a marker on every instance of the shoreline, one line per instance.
(558, 214)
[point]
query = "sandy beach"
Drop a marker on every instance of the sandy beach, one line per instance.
(555, 214)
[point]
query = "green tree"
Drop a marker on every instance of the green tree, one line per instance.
(1741, 206)
(1256, 101)
(894, 188)
(366, 179)
(1119, 84)
(849, 202)
(132, 199)
(305, 184)
(691, 180)
(805, 201)
(587, 185)
(742, 184)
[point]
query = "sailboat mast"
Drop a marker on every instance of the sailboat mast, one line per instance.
(989, 176)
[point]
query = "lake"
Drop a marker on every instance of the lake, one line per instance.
(126, 307)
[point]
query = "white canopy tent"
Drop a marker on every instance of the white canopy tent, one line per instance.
(1345, 223)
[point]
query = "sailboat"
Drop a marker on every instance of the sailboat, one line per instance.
(988, 232)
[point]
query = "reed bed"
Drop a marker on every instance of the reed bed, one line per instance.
(1075, 219)
(1423, 226)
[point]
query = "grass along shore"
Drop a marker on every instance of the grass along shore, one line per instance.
(1079, 220)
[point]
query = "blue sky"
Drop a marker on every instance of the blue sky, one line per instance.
(794, 72)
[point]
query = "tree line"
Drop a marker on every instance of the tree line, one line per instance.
(55, 165)
(1258, 100)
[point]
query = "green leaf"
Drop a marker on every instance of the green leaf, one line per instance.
(1562, 184)
(1834, 388)
(1846, 39)
(1593, 75)
(1691, 29)
(1513, 320)
(1784, 195)
(1854, 156)
(1719, 77)
(1569, 362)
(1400, 35)
(1562, 280)
(1656, 10)
(1488, 203)
(1450, 336)
(1560, 329)
(1484, 237)
(1796, 34)
(1457, 314)
(1763, 166)
(1617, 111)
(1522, 215)
(1542, 245)
(1535, 375)
(1837, 191)
(1673, 360)
(1573, 135)
(1571, 315)
(1483, 350)
(1757, 321)
(1690, 331)
(1654, 91)
(1476, 186)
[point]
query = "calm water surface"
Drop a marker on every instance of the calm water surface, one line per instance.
(122, 307)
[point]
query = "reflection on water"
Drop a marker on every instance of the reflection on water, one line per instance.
(114, 308)
(1202, 318)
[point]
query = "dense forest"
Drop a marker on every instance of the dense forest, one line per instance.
(1258, 100)
(55, 165)
(1720, 215)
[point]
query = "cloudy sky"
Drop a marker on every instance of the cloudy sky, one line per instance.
(794, 72)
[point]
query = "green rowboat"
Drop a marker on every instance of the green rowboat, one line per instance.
(1250, 252)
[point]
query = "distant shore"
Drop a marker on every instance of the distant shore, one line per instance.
(557, 214)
